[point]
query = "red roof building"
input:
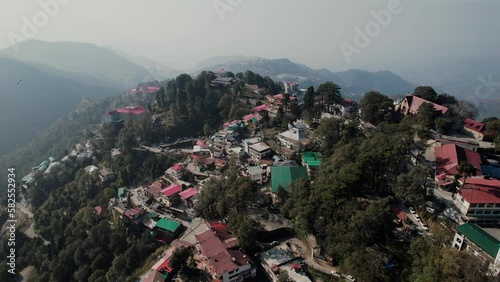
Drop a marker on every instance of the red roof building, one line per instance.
(178, 167)
(176, 171)
(261, 108)
(475, 128)
(134, 213)
(151, 89)
(171, 190)
(221, 259)
(147, 89)
(118, 115)
(400, 214)
(448, 159)
(165, 266)
(479, 200)
(188, 193)
(100, 210)
(411, 103)
(139, 110)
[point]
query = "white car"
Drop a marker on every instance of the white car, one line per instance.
(350, 278)
(430, 210)
(417, 217)
(412, 210)
(335, 273)
(425, 227)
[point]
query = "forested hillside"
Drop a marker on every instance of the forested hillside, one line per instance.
(33, 98)
(81, 246)
(347, 207)
(65, 133)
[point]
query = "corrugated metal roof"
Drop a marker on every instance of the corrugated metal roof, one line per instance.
(169, 225)
(284, 175)
(480, 237)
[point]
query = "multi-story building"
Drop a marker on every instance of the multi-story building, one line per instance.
(481, 243)
(259, 150)
(478, 200)
(176, 171)
(221, 256)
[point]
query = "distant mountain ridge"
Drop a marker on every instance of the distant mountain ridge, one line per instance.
(85, 59)
(354, 83)
(34, 96)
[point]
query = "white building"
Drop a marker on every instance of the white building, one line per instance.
(106, 174)
(481, 243)
(478, 201)
(248, 142)
(259, 150)
(293, 139)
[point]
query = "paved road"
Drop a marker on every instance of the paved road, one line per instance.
(305, 251)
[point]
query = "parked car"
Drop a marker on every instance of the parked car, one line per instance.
(430, 210)
(335, 273)
(412, 210)
(425, 227)
(350, 278)
(430, 204)
(417, 217)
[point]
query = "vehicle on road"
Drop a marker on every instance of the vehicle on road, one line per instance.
(430, 210)
(412, 210)
(350, 278)
(417, 217)
(335, 273)
(425, 227)
(430, 204)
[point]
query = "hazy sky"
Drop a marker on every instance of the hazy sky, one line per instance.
(183, 33)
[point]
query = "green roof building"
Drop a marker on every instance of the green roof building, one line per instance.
(481, 238)
(311, 159)
(28, 179)
(44, 165)
(284, 176)
(122, 192)
(168, 225)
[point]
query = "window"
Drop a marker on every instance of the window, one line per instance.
(480, 205)
(473, 205)
(496, 212)
(471, 212)
(487, 212)
(479, 212)
(489, 205)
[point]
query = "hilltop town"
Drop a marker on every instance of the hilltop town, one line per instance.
(236, 177)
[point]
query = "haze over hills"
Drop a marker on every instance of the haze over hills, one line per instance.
(354, 82)
(86, 59)
(55, 75)
(157, 70)
(34, 97)
(459, 76)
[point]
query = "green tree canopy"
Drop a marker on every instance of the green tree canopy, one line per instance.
(375, 107)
